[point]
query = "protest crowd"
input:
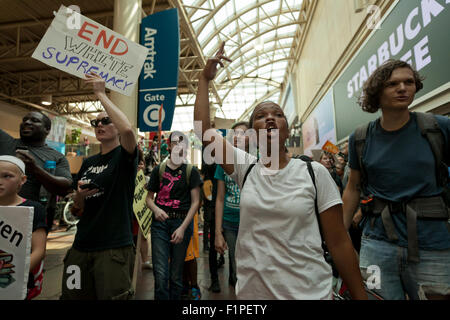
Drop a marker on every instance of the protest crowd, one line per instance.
(365, 218)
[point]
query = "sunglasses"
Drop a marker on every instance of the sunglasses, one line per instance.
(104, 121)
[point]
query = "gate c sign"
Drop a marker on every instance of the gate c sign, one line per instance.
(159, 77)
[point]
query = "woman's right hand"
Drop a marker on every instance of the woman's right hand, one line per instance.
(210, 70)
(220, 244)
(160, 215)
(82, 194)
(98, 83)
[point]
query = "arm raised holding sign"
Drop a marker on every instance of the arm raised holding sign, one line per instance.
(116, 116)
(106, 184)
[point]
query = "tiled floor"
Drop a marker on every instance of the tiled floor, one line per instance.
(59, 242)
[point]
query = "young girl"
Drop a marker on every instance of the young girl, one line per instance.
(177, 200)
(12, 178)
(278, 250)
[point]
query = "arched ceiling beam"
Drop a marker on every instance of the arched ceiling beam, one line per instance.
(252, 57)
(253, 70)
(252, 39)
(266, 43)
(210, 15)
(248, 79)
(236, 17)
(198, 4)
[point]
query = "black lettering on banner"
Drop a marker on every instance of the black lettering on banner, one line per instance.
(6, 231)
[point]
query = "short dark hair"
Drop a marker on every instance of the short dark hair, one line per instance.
(45, 119)
(370, 96)
(240, 123)
(252, 117)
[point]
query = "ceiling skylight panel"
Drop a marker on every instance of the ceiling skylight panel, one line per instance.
(198, 15)
(222, 15)
(248, 16)
(277, 73)
(204, 34)
(285, 41)
(287, 30)
(270, 7)
(285, 18)
(265, 69)
(209, 49)
(240, 5)
(293, 4)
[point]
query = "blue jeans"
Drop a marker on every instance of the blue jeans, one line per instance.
(398, 276)
(230, 234)
(168, 275)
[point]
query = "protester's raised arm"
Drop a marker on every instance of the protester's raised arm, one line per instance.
(118, 118)
(201, 107)
(202, 112)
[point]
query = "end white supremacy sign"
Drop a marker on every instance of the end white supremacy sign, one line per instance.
(88, 46)
(16, 227)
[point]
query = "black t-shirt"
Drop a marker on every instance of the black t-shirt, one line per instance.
(30, 190)
(174, 194)
(106, 222)
(38, 216)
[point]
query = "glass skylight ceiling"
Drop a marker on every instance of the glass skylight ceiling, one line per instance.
(258, 37)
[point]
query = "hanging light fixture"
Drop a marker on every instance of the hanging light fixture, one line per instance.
(46, 100)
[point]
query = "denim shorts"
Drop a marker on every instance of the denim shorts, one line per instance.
(399, 277)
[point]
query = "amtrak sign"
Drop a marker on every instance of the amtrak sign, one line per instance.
(159, 77)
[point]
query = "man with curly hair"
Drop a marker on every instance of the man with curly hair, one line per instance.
(405, 217)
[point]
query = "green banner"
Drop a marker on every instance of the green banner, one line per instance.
(416, 31)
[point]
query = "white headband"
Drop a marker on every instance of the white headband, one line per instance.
(19, 163)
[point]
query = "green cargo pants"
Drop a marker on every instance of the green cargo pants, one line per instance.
(100, 275)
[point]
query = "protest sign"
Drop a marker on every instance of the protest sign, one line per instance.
(141, 211)
(330, 147)
(91, 47)
(158, 82)
(16, 225)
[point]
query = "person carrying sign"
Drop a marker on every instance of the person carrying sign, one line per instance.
(177, 185)
(12, 178)
(103, 247)
(398, 162)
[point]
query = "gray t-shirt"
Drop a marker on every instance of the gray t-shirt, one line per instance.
(31, 188)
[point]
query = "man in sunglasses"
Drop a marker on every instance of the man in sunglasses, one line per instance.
(34, 152)
(103, 247)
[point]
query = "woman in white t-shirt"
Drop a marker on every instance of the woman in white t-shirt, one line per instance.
(278, 250)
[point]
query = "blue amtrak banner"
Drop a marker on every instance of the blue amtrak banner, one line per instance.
(159, 77)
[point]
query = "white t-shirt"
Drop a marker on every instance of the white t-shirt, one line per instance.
(278, 249)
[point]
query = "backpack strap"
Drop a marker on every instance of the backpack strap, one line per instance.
(326, 253)
(188, 173)
(429, 128)
(162, 169)
(246, 174)
(313, 178)
(360, 141)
